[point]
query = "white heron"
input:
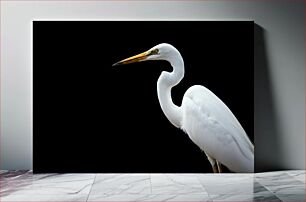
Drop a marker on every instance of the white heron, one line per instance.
(209, 123)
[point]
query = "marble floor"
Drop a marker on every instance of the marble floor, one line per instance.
(270, 186)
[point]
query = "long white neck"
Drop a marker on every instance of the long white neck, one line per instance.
(165, 82)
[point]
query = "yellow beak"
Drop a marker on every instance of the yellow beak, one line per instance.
(137, 58)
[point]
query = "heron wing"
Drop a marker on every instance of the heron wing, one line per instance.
(211, 124)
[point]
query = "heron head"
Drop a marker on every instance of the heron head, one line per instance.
(159, 52)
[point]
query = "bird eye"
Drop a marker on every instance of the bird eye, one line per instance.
(154, 52)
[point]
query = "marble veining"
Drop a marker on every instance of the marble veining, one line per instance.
(42, 198)
(298, 175)
(116, 184)
(260, 190)
(176, 184)
(244, 198)
(46, 184)
(266, 197)
(286, 186)
(150, 198)
(282, 183)
(227, 183)
(291, 197)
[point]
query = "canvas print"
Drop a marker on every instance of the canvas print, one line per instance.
(143, 96)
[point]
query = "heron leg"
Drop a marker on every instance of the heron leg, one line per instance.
(213, 163)
(215, 168)
(219, 167)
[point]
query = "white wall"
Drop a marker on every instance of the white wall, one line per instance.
(283, 25)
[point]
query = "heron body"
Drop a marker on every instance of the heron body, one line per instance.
(209, 123)
(214, 128)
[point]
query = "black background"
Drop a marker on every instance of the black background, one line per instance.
(92, 117)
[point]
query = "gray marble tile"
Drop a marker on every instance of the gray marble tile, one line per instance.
(260, 193)
(3, 171)
(182, 197)
(244, 198)
(230, 197)
(216, 184)
(15, 175)
(259, 189)
(286, 174)
(16, 180)
(272, 175)
(43, 198)
(295, 171)
(47, 184)
(266, 198)
(292, 197)
(114, 184)
(150, 198)
(286, 188)
(282, 183)
(176, 184)
(298, 175)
